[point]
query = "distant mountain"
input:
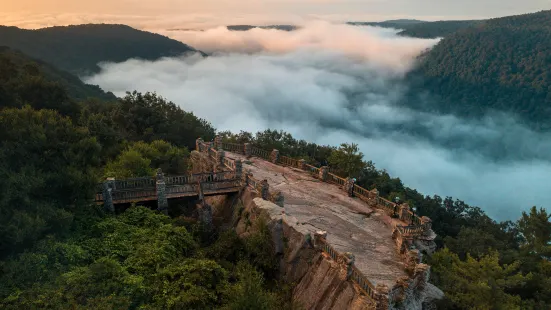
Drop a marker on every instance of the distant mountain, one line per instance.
(422, 29)
(502, 64)
(249, 27)
(78, 49)
(24, 80)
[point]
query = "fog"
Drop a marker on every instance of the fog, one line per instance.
(330, 84)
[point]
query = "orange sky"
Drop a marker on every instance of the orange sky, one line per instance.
(38, 13)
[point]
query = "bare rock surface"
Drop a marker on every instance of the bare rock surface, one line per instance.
(352, 226)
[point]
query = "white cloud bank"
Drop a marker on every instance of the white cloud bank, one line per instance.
(335, 83)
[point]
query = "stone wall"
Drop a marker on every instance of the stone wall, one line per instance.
(326, 279)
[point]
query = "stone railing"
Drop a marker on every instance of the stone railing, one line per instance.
(260, 153)
(402, 211)
(415, 226)
(346, 260)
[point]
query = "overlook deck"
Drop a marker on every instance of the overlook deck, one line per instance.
(354, 226)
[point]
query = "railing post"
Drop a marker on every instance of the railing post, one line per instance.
(349, 187)
(198, 144)
(264, 190)
(381, 297)
(220, 156)
(320, 237)
(274, 158)
(349, 260)
(302, 164)
(108, 187)
(218, 142)
(162, 199)
(238, 169)
(248, 149)
(323, 173)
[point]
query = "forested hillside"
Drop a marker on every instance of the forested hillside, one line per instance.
(78, 49)
(503, 64)
(60, 251)
(423, 29)
(23, 76)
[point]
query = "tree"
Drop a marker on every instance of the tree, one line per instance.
(476, 284)
(348, 160)
(48, 166)
(536, 230)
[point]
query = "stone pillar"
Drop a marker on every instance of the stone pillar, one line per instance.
(218, 142)
(108, 188)
(274, 158)
(323, 173)
(162, 199)
(349, 260)
(320, 237)
(238, 169)
(381, 297)
(349, 187)
(264, 189)
(198, 144)
(248, 149)
(302, 164)
(220, 157)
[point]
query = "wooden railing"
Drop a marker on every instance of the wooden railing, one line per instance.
(362, 192)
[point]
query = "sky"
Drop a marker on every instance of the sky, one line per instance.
(333, 83)
(207, 13)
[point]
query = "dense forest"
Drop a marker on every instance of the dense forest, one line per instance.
(59, 251)
(423, 29)
(78, 49)
(502, 64)
(21, 74)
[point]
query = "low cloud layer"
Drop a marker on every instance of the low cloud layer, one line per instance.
(335, 83)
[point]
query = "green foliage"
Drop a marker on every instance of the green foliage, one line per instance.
(477, 284)
(78, 49)
(536, 230)
(347, 160)
(423, 29)
(501, 64)
(248, 294)
(25, 80)
(48, 166)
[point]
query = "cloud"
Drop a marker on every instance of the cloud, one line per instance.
(335, 83)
